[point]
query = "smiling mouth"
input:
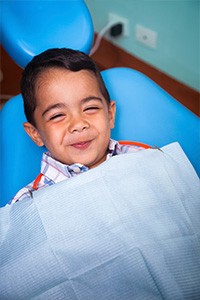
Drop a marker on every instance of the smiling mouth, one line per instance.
(82, 145)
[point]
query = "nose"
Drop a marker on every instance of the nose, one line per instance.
(78, 124)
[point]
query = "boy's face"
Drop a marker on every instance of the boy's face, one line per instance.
(73, 119)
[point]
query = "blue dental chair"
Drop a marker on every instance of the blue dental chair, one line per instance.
(31, 27)
(145, 112)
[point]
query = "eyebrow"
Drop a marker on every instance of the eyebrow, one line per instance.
(62, 105)
(53, 106)
(90, 98)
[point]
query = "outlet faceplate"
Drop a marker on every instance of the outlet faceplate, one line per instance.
(146, 36)
(114, 18)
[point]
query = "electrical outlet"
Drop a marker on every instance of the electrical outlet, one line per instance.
(146, 36)
(114, 18)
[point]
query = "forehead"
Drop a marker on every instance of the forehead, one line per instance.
(58, 83)
(52, 75)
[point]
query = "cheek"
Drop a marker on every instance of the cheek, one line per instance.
(104, 129)
(105, 121)
(49, 136)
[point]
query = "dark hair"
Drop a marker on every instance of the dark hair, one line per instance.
(55, 58)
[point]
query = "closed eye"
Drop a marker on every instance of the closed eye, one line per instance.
(91, 108)
(56, 116)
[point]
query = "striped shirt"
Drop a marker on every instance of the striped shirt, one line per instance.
(53, 171)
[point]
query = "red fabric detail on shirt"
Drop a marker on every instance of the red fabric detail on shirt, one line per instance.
(36, 181)
(138, 144)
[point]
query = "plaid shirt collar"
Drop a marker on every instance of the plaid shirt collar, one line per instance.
(55, 171)
(58, 171)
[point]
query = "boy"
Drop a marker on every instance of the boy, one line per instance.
(68, 110)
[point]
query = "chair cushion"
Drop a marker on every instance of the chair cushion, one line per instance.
(31, 27)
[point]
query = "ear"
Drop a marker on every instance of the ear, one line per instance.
(112, 110)
(33, 133)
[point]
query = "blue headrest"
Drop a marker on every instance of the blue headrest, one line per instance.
(31, 27)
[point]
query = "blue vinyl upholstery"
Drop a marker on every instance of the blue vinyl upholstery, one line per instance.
(147, 114)
(31, 27)
(20, 156)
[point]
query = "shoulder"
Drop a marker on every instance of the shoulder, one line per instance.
(130, 147)
(39, 182)
(25, 192)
